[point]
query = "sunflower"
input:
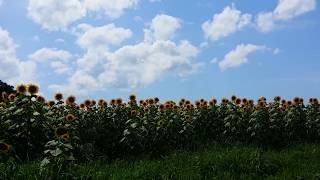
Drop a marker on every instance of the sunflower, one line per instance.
(156, 99)
(251, 101)
(198, 103)
(189, 106)
(289, 103)
(87, 103)
(78, 108)
(4, 147)
(70, 100)
(277, 98)
(161, 107)
(188, 102)
(301, 101)
(201, 100)
(146, 110)
(40, 99)
(311, 100)
(82, 106)
(12, 97)
(244, 100)
(93, 102)
(296, 100)
(100, 102)
(151, 101)
(233, 98)
(263, 98)
(167, 106)
(144, 103)
(262, 104)
(65, 137)
(51, 103)
(223, 101)
(238, 101)
(21, 88)
(283, 101)
(175, 107)
(61, 131)
(315, 101)
(70, 118)
(33, 89)
(58, 96)
(119, 101)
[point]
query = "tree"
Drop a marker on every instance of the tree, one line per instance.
(4, 87)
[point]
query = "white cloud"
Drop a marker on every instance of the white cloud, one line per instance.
(132, 66)
(95, 37)
(13, 70)
(163, 27)
(57, 59)
(113, 8)
(285, 10)
(227, 22)
(238, 56)
(50, 54)
(59, 40)
(56, 15)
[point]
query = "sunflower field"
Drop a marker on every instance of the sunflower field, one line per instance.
(61, 131)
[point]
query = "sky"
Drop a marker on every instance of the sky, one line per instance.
(165, 48)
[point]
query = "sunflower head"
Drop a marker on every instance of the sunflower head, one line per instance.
(146, 110)
(151, 101)
(51, 103)
(93, 102)
(100, 102)
(251, 101)
(167, 106)
(263, 98)
(161, 107)
(82, 105)
(113, 102)
(4, 147)
(283, 101)
(58, 96)
(189, 106)
(87, 103)
(144, 103)
(238, 101)
(33, 89)
(296, 100)
(132, 97)
(61, 131)
(277, 98)
(156, 99)
(301, 101)
(21, 88)
(70, 118)
(262, 104)
(119, 101)
(70, 100)
(175, 107)
(244, 100)
(65, 137)
(233, 98)
(315, 101)
(188, 102)
(12, 97)
(197, 103)
(40, 99)
(289, 103)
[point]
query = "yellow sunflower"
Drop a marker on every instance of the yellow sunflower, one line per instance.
(58, 96)
(22, 89)
(70, 118)
(33, 89)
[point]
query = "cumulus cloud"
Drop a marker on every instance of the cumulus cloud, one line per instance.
(56, 15)
(285, 10)
(163, 27)
(95, 37)
(57, 59)
(113, 8)
(225, 23)
(132, 66)
(13, 70)
(239, 56)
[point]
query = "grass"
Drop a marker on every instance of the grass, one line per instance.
(213, 162)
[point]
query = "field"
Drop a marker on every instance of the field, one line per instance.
(151, 138)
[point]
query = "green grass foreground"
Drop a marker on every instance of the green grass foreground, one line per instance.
(212, 162)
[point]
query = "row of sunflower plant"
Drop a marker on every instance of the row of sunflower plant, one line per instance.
(61, 130)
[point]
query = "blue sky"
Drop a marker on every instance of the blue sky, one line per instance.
(170, 49)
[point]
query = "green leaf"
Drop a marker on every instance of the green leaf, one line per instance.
(56, 152)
